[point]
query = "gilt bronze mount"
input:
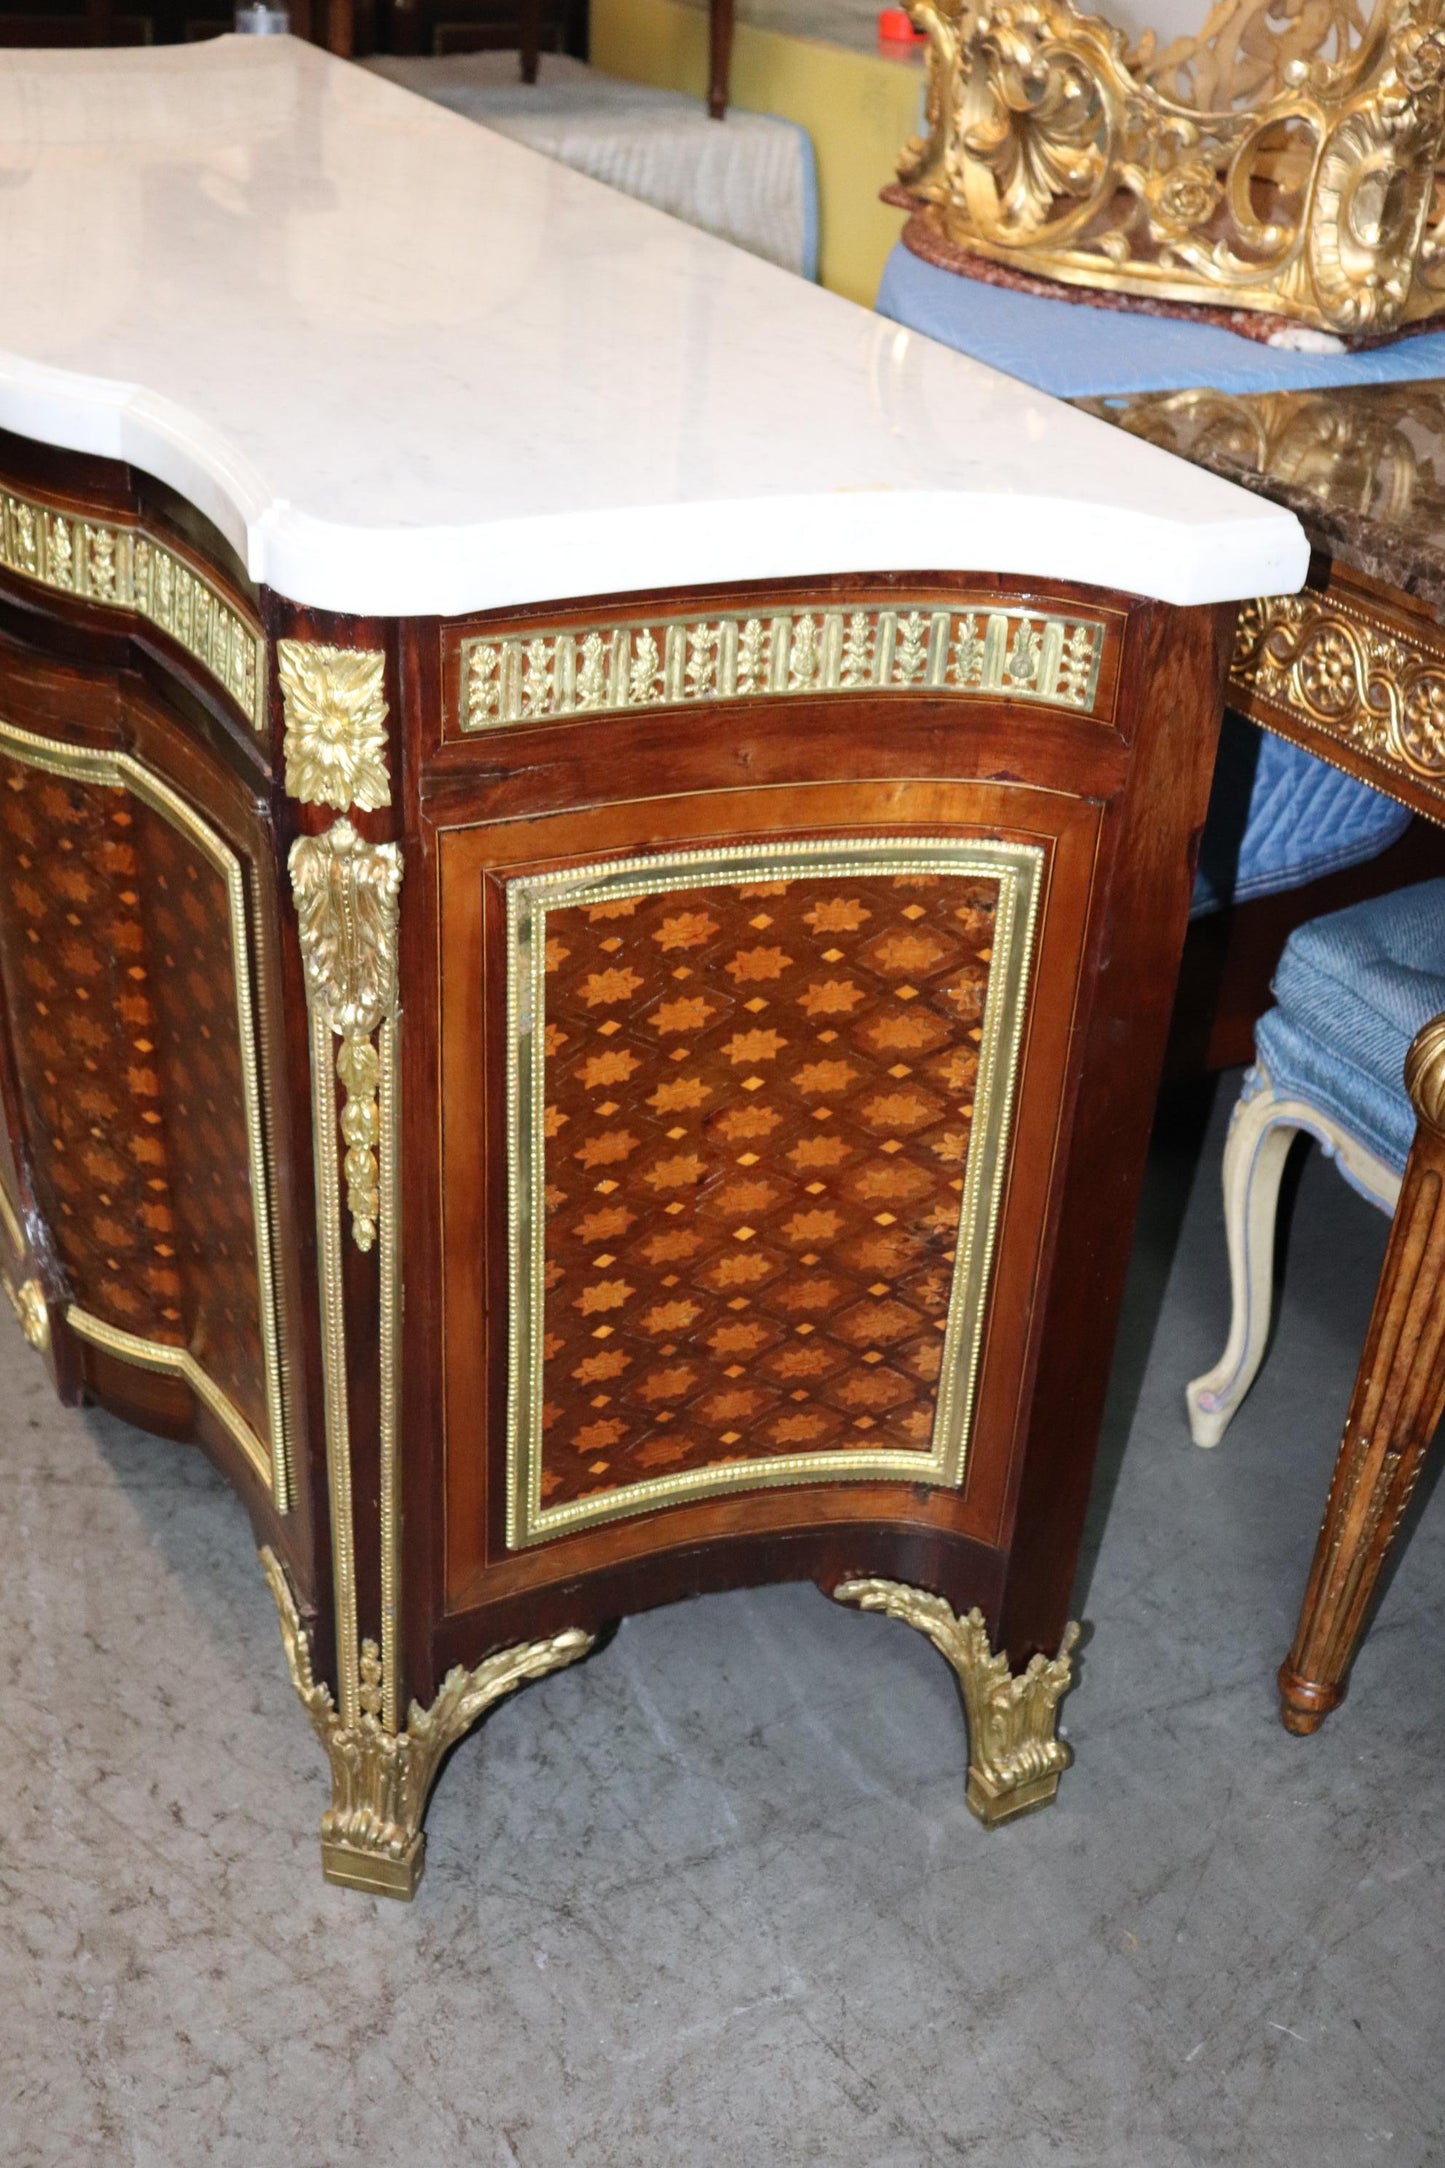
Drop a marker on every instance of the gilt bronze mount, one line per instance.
(1015, 1756)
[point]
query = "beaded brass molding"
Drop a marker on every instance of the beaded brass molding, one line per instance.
(1005, 652)
(335, 711)
(1371, 689)
(175, 1362)
(127, 568)
(1018, 870)
(1285, 160)
(371, 1835)
(28, 1302)
(271, 1458)
(1015, 1757)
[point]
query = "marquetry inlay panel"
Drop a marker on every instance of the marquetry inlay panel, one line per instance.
(1005, 652)
(759, 1114)
(124, 568)
(123, 962)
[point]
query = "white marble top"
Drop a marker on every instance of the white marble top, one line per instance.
(407, 366)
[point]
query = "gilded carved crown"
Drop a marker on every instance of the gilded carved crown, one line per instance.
(1284, 161)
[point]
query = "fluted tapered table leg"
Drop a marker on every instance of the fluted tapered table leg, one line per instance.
(1397, 1403)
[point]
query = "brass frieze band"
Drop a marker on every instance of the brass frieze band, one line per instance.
(1015, 1756)
(999, 653)
(1018, 870)
(126, 568)
(1377, 692)
(121, 771)
(371, 1835)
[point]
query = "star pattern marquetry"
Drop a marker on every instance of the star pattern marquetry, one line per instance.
(193, 991)
(116, 962)
(759, 1099)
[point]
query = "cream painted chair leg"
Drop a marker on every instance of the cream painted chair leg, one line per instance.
(1254, 1155)
(1261, 1131)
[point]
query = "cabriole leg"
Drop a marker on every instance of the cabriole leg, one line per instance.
(1261, 1130)
(1254, 1155)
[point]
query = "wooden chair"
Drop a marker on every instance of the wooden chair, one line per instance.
(1395, 1410)
(1351, 989)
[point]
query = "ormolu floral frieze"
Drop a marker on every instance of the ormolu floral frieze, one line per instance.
(127, 569)
(1009, 653)
(1372, 689)
(335, 710)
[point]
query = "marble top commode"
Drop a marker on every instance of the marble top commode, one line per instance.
(408, 366)
(594, 1041)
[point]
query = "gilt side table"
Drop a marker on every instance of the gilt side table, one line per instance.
(593, 849)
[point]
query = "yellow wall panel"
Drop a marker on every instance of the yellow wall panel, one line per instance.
(857, 108)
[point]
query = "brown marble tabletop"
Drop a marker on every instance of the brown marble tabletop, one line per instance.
(1363, 468)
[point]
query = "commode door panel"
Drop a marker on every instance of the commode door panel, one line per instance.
(730, 1129)
(129, 947)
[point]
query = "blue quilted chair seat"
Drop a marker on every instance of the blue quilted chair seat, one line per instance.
(1351, 991)
(1278, 818)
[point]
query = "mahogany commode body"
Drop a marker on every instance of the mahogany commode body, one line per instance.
(578, 1103)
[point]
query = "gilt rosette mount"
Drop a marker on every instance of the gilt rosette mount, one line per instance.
(1284, 163)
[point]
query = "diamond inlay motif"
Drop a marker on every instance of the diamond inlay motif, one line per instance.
(777, 1174)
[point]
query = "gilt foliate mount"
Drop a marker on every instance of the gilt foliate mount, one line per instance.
(1286, 160)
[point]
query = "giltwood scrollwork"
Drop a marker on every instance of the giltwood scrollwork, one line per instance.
(1369, 451)
(1368, 687)
(1283, 161)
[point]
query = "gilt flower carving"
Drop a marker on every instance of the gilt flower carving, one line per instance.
(335, 709)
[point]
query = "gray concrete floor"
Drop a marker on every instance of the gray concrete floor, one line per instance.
(714, 1898)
